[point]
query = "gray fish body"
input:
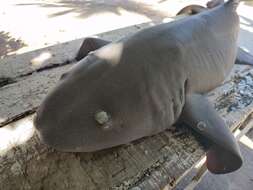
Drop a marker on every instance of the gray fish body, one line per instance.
(140, 82)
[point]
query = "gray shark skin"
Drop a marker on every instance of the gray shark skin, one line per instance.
(243, 57)
(143, 84)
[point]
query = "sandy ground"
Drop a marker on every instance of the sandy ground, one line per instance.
(26, 25)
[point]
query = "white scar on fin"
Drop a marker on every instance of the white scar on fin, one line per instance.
(111, 54)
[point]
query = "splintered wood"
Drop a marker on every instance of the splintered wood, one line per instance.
(149, 163)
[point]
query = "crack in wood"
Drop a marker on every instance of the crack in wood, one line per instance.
(4, 81)
(18, 117)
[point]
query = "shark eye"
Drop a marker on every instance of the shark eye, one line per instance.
(103, 119)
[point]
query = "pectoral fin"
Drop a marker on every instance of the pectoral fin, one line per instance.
(243, 57)
(88, 45)
(224, 155)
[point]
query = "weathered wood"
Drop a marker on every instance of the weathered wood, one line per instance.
(119, 167)
(21, 65)
(149, 163)
(27, 63)
(27, 93)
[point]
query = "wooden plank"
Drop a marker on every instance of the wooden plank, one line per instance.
(26, 94)
(115, 168)
(21, 65)
(27, 63)
(147, 163)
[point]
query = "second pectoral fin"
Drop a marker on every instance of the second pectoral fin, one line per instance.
(224, 155)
